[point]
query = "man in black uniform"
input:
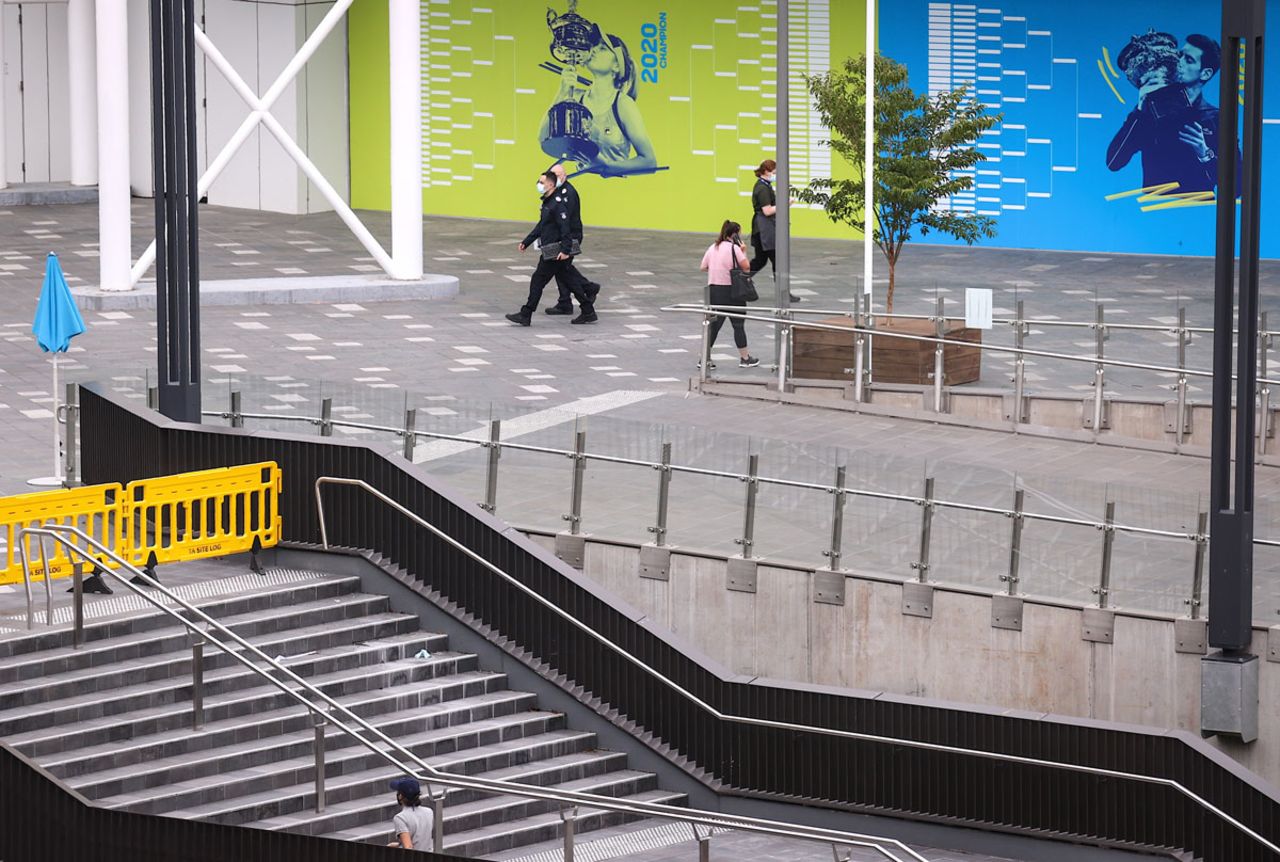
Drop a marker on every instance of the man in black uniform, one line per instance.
(568, 195)
(555, 240)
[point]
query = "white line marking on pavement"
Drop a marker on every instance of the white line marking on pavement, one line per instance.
(529, 423)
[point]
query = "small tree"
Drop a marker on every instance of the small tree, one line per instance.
(921, 143)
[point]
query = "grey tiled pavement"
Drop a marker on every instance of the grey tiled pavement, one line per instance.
(458, 362)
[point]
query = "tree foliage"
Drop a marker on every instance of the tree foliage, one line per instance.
(923, 147)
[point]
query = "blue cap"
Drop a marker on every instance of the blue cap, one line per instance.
(407, 785)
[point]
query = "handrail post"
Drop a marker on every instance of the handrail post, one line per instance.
(705, 361)
(1100, 370)
(659, 529)
(1264, 389)
(749, 508)
(1020, 366)
(859, 347)
(153, 397)
(939, 367)
(837, 520)
(1197, 575)
(1108, 528)
(494, 446)
(234, 414)
(71, 409)
(926, 531)
(1180, 420)
(326, 417)
(197, 681)
(1015, 543)
(579, 474)
(409, 433)
(437, 822)
(318, 722)
(568, 816)
(77, 590)
(784, 339)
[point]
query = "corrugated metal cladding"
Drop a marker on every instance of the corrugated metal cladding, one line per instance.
(120, 443)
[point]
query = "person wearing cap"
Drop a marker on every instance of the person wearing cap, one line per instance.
(413, 825)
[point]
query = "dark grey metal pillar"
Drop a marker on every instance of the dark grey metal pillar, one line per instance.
(173, 145)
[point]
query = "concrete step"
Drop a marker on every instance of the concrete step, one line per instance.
(265, 703)
(184, 741)
(336, 672)
(225, 770)
(361, 813)
(55, 644)
(175, 663)
(293, 788)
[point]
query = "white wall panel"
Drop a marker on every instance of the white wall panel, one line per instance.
(59, 92)
(278, 40)
(12, 94)
(141, 180)
(325, 119)
(233, 27)
(35, 92)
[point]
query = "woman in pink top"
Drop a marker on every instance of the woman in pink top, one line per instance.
(726, 252)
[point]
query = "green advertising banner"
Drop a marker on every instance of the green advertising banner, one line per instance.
(665, 108)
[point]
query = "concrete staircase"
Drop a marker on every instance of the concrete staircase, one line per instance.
(113, 720)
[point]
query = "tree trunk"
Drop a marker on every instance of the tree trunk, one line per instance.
(888, 297)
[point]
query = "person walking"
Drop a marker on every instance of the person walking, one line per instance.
(568, 195)
(722, 255)
(554, 240)
(413, 825)
(764, 219)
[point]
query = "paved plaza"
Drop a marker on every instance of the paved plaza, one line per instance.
(625, 381)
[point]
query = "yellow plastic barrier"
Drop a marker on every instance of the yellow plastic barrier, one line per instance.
(95, 509)
(206, 514)
(189, 516)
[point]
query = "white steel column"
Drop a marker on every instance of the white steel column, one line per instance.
(869, 154)
(4, 180)
(406, 138)
(115, 255)
(82, 77)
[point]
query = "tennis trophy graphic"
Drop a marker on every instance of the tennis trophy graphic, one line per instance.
(1150, 58)
(569, 122)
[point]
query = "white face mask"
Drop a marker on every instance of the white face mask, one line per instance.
(559, 182)
(542, 189)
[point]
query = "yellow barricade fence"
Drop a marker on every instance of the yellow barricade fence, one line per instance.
(95, 509)
(210, 513)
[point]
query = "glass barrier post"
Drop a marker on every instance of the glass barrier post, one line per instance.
(1020, 367)
(490, 503)
(1197, 576)
(197, 680)
(236, 417)
(1015, 543)
(409, 433)
(926, 531)
(659, 529)
(71, 412)
(749, 509)
(837, 520)
(1180, 421)
(579, 474)
(939, 364)
(1108, 528)
(1100, 370)
(326, 417)
(1264, 390)
(859, 348)
(318, 722)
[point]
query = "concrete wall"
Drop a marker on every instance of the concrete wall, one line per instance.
(869, 643)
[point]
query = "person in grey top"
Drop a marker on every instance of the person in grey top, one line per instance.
(413, 824)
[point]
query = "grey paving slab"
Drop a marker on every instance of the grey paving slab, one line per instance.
(458, 363)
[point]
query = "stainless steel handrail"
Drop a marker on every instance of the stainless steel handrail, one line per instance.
(734, 312)
(761, 722)
(59, 533)
(763, 480)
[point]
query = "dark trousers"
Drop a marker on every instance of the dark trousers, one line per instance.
(720, 295)
(762, 257)
(571, 282)
(557, 269)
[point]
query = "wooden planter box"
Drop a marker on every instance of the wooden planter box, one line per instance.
(822, 354)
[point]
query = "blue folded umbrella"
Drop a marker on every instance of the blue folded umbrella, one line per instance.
(57, 318)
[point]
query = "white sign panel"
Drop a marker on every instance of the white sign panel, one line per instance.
(977, 307)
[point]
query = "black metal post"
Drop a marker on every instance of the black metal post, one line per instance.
(173, 146)
(1231, 473)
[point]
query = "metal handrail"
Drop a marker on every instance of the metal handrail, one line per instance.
(485, 443)
(59, 533)
(761, 722)
(734, 312)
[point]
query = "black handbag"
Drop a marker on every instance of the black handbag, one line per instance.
(742, 286)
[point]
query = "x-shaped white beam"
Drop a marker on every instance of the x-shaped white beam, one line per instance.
(260, 112)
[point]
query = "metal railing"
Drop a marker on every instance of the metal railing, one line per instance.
(926, 501)
(627, 656)
(326, 710)
(863, 331)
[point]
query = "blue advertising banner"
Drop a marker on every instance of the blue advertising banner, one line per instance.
(1110, 117)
